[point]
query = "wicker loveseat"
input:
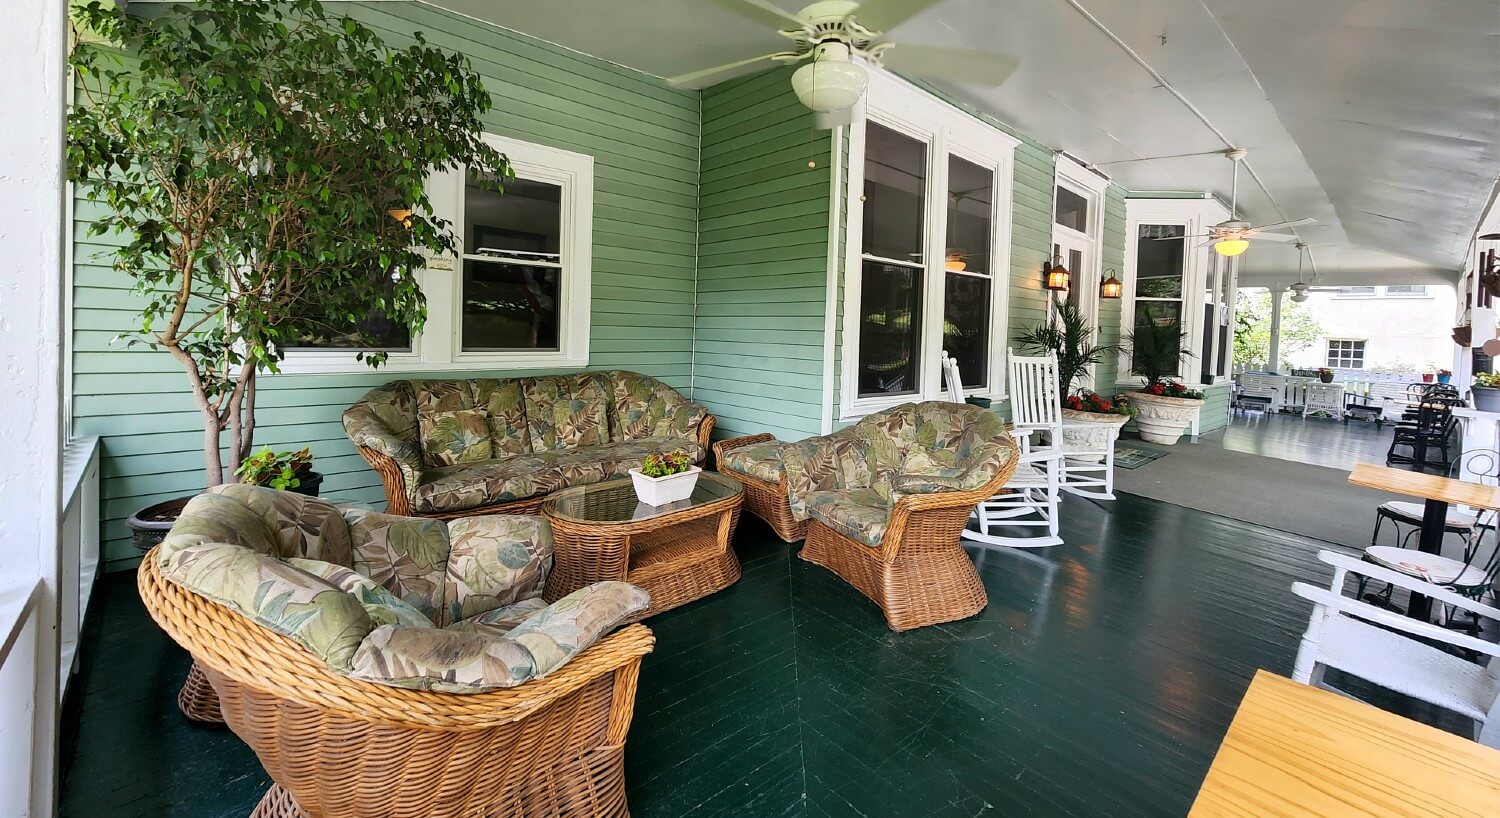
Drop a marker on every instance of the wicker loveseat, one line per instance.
(453, 448)
(886, 498)
(385, 666)
(755, 461)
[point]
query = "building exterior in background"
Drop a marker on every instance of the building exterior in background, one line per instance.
(1393, 328)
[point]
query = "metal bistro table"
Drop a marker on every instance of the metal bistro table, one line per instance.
(1437, 493)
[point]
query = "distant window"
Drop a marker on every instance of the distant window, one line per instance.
(1357, 292)
(1406, 290)
(1072, 210)
(1346, 354)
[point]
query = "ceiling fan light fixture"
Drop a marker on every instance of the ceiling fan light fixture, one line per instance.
(830, 83)
(1231, 247)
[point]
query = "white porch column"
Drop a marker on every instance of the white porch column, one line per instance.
(1273, 356)
(32, 233)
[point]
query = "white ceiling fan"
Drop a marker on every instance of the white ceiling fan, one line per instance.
(1232, 237)
(832, 33)
(1301, 288)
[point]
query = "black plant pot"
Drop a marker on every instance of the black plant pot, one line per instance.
(149, 526)
(308, 485)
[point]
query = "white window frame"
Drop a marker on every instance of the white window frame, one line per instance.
(439, 347)
(1364, 350)
(946, 130)
(1071, 175)
(1195, 215)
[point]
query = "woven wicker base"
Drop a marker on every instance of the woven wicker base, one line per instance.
(278, 803)
(197, 699)
(923, 586)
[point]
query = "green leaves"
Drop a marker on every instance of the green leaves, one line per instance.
(1070, 336)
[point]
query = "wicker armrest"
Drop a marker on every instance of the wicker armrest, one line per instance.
(228, 643)
(727, 445)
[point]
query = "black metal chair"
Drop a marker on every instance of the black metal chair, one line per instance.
(1432, 428)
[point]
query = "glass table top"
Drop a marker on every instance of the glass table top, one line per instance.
(614, 501)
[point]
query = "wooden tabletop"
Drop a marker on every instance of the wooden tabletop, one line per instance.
(1295, 750)
(1425, 486)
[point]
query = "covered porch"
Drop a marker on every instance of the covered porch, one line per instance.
(409, 533)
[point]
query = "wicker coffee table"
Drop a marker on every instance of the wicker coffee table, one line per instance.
(679, 552)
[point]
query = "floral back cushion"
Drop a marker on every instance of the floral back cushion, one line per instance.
(407, 556)
(505, 403)
(451, 438)
(496, 560)
(646, 407)
(567, 411)
(302, 526)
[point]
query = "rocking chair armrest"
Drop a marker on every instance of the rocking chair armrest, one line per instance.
(1436, 592)
(1391, 619)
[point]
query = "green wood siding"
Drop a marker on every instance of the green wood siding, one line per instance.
(1112, 249)
(1215, 411)
(644, 140)
(762, 259)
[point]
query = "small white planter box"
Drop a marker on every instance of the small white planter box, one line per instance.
(659, 491)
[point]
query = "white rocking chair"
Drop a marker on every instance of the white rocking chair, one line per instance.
(1392, 650)
(1036, 489)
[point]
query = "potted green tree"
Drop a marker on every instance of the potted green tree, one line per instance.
(264, 163)
(1164, 406)
(1069, 336)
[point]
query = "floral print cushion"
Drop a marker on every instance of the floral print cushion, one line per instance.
(385, 421)
(761, 460)
(383, 607)
(566, 411)
(322, 618)
(214, 517)
(500, 621)
(505, 404)
(407, 556)
(822, 464)
(495, 560)
(646, 407)
(459, 436)
(862, 515)
(302, 526)
(463, 660)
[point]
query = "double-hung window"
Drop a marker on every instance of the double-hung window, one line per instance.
(516, 295)
(928, 217)
(1077, 225)
(1345, 354)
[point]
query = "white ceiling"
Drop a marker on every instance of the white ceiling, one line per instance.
(1379, 118)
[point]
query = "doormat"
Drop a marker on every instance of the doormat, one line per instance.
(1129, 457)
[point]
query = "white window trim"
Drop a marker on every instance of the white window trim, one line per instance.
(439, 347)
(1196, 216)
(946, 129)
(1092, 188)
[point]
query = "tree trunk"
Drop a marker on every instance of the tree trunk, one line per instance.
(213, 461)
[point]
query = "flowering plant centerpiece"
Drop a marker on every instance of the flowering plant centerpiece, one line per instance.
(1325, 374)
(1172, 389)
(665, 478)
(1098, 404)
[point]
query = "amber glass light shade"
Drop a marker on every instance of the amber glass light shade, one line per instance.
(1111, 288)
(1058, 278)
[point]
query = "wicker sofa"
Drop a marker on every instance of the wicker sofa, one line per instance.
(375, 663)
(886, 499)
(453, 448)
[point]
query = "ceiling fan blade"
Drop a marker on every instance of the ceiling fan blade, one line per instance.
(1279, 225)
(884, 15)
(719, 73)
(1256, 235)
(1180, 238)
(764, 12)
(960, 64)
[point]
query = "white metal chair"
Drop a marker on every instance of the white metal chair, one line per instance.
(1036, 489)
(1326, 399)
(1392, 650)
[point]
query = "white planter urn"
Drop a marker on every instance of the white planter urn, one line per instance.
(659, 491)
(1090, 433)
(1162, 419)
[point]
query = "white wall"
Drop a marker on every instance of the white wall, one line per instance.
(31, 273)
(1413, 330)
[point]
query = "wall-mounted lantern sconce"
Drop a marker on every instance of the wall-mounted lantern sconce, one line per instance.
(1058, 277)
(1111, 288)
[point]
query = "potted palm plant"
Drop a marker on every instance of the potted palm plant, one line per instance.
(1164, 406)
(1069, 336)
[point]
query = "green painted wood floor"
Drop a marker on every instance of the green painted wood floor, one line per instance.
(1099, 681)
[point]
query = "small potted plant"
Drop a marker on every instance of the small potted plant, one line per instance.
(284, 471)
(1427, 377)
(1444, 375)
(1164, 407)
(665, 478)
(1325, 374)
(1486, 391)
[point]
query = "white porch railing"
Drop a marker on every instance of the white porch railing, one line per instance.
(79, 543)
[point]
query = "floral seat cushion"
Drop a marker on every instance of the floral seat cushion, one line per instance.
(454, 488)
(859, 514)
(759, 460)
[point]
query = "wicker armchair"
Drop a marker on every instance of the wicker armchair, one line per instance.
(392, 666)
(754, 460)
(885, 501)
